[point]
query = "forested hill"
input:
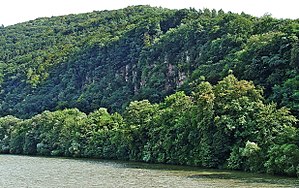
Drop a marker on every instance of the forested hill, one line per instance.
(109, 58)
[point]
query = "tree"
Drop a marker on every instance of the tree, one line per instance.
(137, 117)
(7, 124)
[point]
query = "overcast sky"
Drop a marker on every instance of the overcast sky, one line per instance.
(15, 11)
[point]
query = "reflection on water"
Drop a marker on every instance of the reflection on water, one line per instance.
(24, 171)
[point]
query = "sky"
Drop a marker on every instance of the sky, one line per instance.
(16, 11)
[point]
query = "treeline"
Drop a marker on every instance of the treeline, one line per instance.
(227, 125)
(109, 58)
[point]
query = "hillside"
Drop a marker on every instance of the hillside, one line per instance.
(109, 58)
(186, 87)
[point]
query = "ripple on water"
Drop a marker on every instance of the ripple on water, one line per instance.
(25, 171)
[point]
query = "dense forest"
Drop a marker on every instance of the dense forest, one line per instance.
(226, 125)
(155, 85)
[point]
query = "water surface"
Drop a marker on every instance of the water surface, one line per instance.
(25, 171)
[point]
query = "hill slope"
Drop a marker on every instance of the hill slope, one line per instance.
(109, 58)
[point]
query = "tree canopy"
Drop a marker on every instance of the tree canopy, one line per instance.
(227, 125)
(109, 58)
(190, 87)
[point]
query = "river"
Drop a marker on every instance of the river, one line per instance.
(26, 171)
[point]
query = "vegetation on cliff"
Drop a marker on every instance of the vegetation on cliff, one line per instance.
(67, 84)
(109, 58)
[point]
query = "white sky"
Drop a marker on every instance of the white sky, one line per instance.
(15, 11)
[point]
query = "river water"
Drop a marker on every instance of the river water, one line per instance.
(26, 171)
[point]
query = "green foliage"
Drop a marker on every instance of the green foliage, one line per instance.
(98, 63)
(110, 58)
(171, 124)
(226, 125)
(137, 117)
(283, 159)
(7, 124)
(288, 94)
